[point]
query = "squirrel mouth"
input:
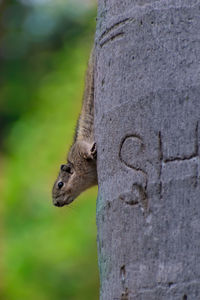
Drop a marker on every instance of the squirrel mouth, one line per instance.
(60, 202)
(69, 200)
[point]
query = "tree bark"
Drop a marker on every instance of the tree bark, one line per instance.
(147, 108)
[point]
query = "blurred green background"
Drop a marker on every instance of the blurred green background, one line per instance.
(46, 253)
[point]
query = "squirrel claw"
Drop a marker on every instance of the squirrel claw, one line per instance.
(93, 151)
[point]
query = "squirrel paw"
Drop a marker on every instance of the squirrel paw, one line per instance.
(93, 151)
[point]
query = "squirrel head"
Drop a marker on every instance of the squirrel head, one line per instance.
(77, 175)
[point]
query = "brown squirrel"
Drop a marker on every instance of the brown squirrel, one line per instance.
(79, 173)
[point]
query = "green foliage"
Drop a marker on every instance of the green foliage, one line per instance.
(49, 253)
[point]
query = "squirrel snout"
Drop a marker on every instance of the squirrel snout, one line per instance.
(58, 203)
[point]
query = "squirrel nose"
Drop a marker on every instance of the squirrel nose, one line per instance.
(58, 203)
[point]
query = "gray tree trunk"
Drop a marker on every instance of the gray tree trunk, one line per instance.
(147, 109)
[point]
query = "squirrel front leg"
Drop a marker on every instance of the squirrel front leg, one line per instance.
(88, 150)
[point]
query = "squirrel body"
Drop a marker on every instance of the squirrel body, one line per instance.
(79, 173)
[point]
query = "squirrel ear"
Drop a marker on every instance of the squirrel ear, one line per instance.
(90, 152)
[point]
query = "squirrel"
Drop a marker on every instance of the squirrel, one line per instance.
(80, 171)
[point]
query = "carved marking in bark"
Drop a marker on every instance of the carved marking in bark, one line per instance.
(111, 38)
(124, 295)
(131, 148)
(137, 196)
(192, 155)
(114, 26)
(161, 164)
(125, 292)
(178, 159)
(123, 274)
(113, 32)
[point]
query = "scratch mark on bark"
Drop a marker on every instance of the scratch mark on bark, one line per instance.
(120, 152)
(138, 169)
(114, 26)
(138, 194)
(196, 176)
(111, 38)
(194, 155)
(161, 164)
(197, 139)
(183, 158)
(123, 274)
(136, 197)
(124, 295)
(187, 157)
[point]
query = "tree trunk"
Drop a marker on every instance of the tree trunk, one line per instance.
(147, 108)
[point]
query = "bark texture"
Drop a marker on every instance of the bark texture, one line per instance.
(147, 110)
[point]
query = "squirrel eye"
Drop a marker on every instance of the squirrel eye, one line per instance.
(60, 184)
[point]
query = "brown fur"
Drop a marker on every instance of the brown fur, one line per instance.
(79, 173)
